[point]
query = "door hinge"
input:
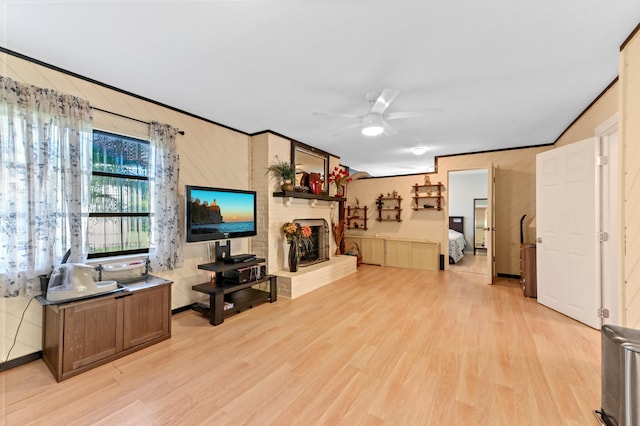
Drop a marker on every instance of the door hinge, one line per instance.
(602, 312)
(604, 236)
(602, 160)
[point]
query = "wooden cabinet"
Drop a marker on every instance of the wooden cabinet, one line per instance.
(91, 331)
(398, 254)
(412, 254)
(389, 209)
(427, 197)
(372, 251)
(83, 334)
(408, 254)
(371, 248)
(425, 255)
(145, 316)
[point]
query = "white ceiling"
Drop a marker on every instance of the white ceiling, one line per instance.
(500, 73)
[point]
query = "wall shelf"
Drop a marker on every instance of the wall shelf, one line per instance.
(432, 192)
(393, 204)
(357, 218)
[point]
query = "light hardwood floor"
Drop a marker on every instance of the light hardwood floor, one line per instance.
(473, 263)
(382, 346)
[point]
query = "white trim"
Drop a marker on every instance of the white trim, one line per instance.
(610, 196)
(608, 126)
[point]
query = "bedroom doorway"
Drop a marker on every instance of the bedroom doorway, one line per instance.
(464, 188)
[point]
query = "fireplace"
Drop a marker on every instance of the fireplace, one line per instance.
(319, 239)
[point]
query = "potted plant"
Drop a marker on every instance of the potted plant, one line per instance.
(285, 171)
(299, 240)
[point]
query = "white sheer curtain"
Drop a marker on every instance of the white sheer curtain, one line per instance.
(165, 241)
(45, 169)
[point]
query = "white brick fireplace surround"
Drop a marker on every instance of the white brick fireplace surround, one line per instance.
(307, 278)
(273, 212)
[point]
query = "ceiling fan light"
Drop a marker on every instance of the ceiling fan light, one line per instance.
(372, 130)
(372, 125)
(418, 150)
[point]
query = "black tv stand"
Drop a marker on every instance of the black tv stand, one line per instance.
(239, 258)
(245, 296)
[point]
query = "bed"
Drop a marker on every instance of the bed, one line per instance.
(457, 242)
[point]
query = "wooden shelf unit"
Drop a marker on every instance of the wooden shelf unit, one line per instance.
(396, 202)
(242, 295)
(419, 194)
(354, 218)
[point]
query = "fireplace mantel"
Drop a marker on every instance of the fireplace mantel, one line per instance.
(307, 195)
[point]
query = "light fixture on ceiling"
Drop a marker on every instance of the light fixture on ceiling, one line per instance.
(372, 125)
(418, 150)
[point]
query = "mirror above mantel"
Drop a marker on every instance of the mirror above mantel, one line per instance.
(311, 163)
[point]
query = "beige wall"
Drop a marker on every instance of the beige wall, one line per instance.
(210, 155)
(514, 197)
(629, 132)
(514, 189)
(601, 110)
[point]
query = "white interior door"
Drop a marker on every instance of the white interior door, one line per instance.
(490, 230)
(567, 215)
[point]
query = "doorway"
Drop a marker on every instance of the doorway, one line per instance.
(466, 189)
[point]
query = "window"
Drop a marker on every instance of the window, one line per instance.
(119, 207)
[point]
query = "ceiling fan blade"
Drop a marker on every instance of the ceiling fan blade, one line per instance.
(388, 130)
(384, 100)
(410, 114)
(344, 129)
(338, 114)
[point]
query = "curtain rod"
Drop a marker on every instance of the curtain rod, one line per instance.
(129, 118)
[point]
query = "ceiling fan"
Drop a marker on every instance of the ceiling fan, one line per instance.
(374, 122)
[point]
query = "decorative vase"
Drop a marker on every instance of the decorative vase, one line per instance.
(287, 185)
(285, 254)
(340, 191)
(315, 183)
(293, 255)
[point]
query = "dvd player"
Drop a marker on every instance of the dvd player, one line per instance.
(239, 258)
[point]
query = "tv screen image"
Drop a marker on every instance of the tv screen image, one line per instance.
(219, 213)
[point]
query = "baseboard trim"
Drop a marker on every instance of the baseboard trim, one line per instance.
(517, 277)
(182, 309)
(25, 359)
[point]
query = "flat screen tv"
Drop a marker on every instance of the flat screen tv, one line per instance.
(219, 213)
